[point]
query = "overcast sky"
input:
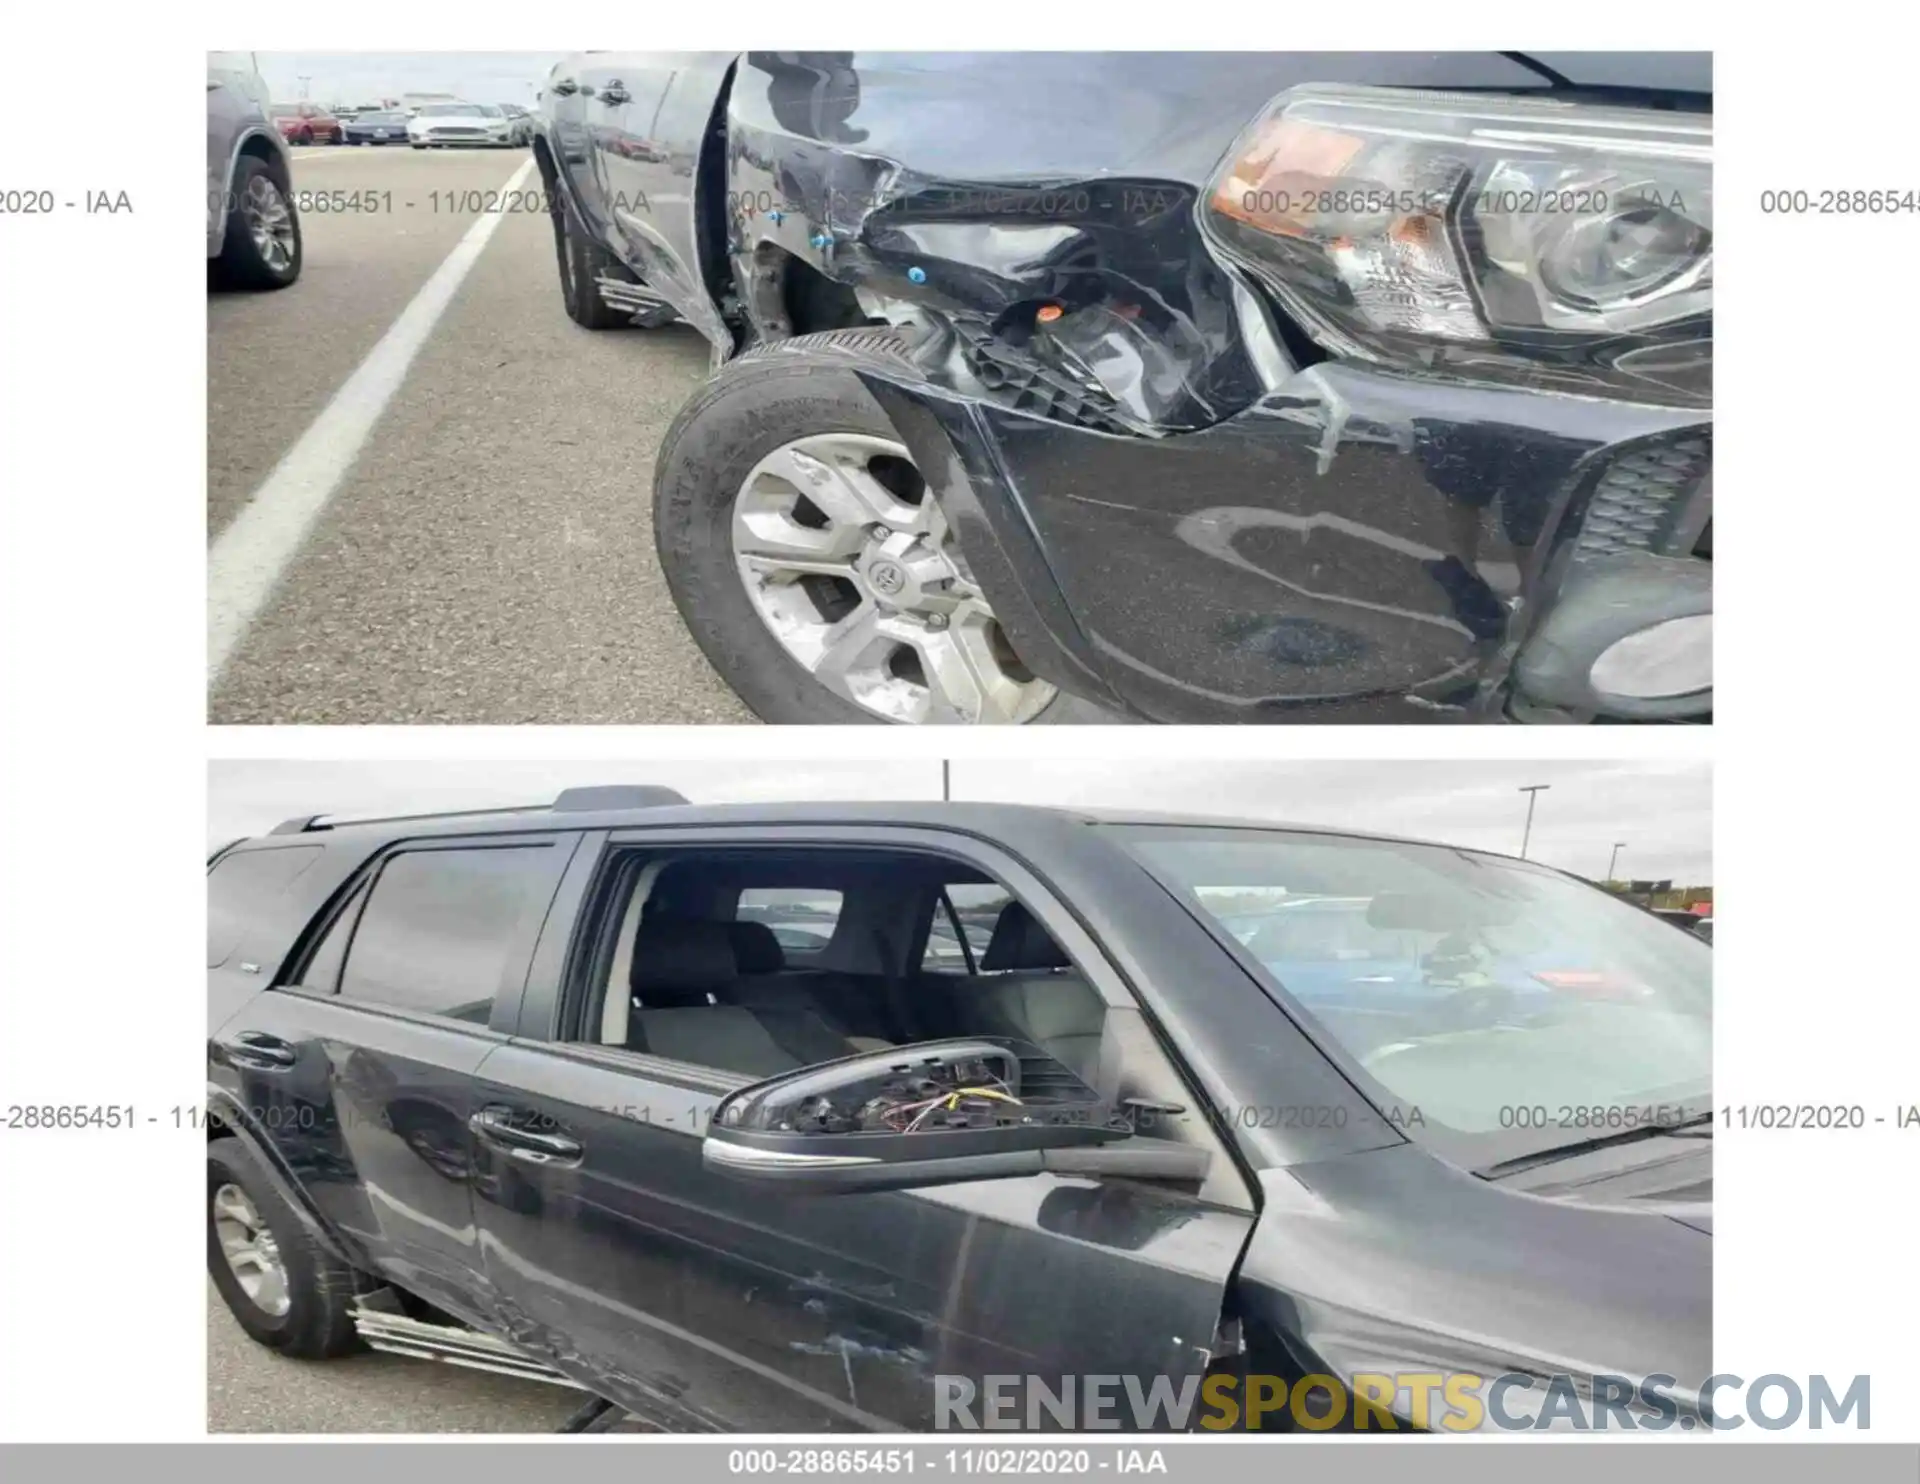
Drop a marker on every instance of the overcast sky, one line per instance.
(350, 78)
(1662, 810)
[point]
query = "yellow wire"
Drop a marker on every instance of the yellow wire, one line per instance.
(983, 1092)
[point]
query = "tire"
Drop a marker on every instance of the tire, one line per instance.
(757, 403)
(242, 264)
(317, 1322)
(579, 263)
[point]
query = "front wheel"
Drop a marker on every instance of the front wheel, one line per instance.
(282, 1287)
(813, 563)
(262, 249)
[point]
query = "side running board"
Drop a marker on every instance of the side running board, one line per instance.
(384, 1327)
(648, 309)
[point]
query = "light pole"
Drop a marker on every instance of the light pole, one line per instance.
(946, 781)
(1617, 844)
(1532, 791)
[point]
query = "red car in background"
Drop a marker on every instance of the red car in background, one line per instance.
(307, 123)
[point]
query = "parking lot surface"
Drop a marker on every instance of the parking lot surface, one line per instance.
(488, 556)
(250, 1389)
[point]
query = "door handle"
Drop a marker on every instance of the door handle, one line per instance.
(258, 1049)
(498, 1126)
(566, 87)
(615, 92)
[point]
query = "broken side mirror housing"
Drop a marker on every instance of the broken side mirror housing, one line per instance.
(934, 1113)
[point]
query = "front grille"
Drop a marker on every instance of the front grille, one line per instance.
(1644, 497)
(452, 132)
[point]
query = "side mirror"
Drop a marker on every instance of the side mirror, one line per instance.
(929, 1114)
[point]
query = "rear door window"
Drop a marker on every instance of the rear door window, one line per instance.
(243, 887)
(802, 918)
(441, 928)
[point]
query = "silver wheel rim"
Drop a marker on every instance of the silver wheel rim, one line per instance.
(864, 586)
(250, 1250)
(270, 221)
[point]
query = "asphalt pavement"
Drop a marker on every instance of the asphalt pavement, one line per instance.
(488, 555)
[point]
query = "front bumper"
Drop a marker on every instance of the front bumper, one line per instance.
(1354, 547)
(447, 136)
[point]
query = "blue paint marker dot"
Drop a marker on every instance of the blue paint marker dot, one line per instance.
(916, 275)
(776, 217)
(821, 239)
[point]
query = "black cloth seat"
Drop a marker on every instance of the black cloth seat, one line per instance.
(688, 1004)
(1027, 988)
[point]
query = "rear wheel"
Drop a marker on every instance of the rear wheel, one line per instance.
(282, 1287)
(813, 563)
(581, 263)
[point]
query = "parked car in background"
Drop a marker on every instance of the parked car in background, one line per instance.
(253, 226)
(307, 123)
(378, 126)
(736, 1117)
(440, 125)
(521, 120)
(1027, 407)
(1680, 917)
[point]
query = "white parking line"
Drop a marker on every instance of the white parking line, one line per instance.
(250, 556)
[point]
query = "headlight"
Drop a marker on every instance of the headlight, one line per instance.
(1512, 239)
(1673, 658)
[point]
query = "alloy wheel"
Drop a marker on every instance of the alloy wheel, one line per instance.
(848, 559)
(250, 1250)
(270, 222)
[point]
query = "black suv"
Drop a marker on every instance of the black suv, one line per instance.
(1188, 387)
(795, 1117)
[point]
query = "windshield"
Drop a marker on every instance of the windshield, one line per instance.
(450, 110)
(377, 118)
(1486, 1002)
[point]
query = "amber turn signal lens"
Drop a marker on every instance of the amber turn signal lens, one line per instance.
(1272, 184)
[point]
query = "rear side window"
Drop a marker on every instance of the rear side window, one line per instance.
(244, 886)
(802, 918)
(440, 926)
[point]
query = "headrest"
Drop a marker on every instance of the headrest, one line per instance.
(1019, 942)
(755, 948)
(678, 961)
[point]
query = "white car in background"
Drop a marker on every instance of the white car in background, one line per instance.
(445, 124)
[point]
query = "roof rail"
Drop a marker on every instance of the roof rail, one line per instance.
(608, 796)
(616, 796)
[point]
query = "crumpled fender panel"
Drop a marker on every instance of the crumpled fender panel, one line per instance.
(1030, 215)
(1352, 547)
